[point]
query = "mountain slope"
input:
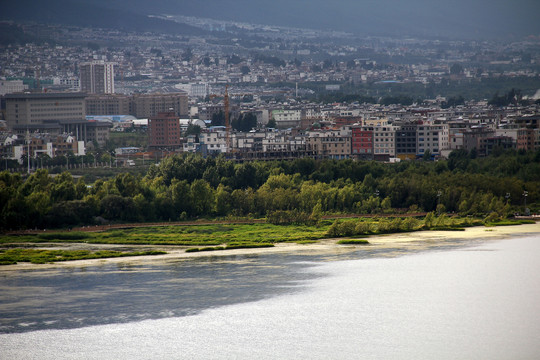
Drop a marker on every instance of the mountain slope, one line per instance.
(469, 19)
(69, 12)
(456, 18)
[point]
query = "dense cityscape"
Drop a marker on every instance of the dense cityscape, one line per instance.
(288, 93)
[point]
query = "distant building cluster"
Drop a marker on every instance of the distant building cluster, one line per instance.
(52, 96)
(40, 119)
(400, 140)
(371, 133)
(336, 131)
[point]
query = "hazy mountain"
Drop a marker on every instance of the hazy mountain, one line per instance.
(433, 18)
(430, 18)
(89, 14)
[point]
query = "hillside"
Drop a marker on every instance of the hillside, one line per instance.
(91, 14)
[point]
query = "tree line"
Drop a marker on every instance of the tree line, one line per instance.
(189, 186)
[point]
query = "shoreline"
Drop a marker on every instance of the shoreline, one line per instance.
(417, 239)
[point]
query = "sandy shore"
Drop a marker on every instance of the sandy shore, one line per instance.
(417, 240)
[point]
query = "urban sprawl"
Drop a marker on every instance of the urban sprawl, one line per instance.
(283, 93)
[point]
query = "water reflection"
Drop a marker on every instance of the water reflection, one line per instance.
(121, 292)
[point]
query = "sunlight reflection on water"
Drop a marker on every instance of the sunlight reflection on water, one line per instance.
(453, 302)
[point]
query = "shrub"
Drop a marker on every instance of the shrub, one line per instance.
(333, 231)
(341, 229)
(410, 224)
(353, 242)
(287, 217)
(347, 228)
(248, 245)
(362, 228)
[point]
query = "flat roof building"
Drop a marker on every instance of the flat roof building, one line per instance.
(31, 109)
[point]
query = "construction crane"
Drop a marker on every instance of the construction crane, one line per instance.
(227, 123)
(227, 117)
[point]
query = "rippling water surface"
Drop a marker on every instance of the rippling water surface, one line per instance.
(458, 300)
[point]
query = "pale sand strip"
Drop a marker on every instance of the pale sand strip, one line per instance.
(325, 246)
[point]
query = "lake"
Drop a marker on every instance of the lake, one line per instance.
(459, 299)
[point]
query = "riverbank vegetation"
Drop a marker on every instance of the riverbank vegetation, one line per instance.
(252, 234)
(216, 237)
(39, 256)
(300, 191)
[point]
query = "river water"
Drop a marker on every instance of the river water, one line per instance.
(467, 299)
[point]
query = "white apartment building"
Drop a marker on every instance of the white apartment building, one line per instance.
(432, 137)
(384, 140)
(215, 141)
(287, 118)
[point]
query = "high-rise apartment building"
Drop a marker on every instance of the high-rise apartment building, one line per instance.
(97, 77)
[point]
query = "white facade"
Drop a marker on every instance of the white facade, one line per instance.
(73, 83)
(190, 144)
(200, 90)
(433, 138)
(384, 140)
(11, 86)
(513, 133)
(262, 116)
(287, 118)
(215, 141)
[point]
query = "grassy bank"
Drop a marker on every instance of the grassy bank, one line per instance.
(36, 256)
(183, 235)
(216, 237)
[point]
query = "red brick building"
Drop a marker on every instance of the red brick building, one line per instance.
(164, 131)
(362, 142)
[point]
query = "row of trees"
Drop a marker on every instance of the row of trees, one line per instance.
(190, 186)
(454, 90)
